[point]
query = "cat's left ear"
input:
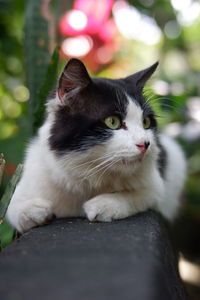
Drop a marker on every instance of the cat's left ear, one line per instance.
(73, 78)
(140, 78)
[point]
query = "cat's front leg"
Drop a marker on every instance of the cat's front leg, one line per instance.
(108, 207)
(29, 213)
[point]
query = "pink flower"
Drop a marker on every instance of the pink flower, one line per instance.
(96, 11)
(86, 17)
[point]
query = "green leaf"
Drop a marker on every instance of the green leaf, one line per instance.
(2, 166)
(48, 85)
(5, 200)
(36, 51)
(7, 232)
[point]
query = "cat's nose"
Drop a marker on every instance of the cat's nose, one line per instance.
(143, 146)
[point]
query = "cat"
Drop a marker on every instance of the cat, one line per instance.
(98, 154)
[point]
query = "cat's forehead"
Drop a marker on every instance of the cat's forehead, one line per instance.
(101, 98)
(82, 94)
(134, 111)
(108, 87)
(110, 91)
(117, 94)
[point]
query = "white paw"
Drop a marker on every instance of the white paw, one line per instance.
(105, 208)
(28, 214)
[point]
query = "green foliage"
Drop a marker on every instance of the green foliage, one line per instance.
(2, 166)
(7, 234)
(49, 83)
(5, 200)
(36, 53)
(13, 93)
(6, 231)
(41, 72)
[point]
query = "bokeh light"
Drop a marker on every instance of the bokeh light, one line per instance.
(188, 11)
(21, 93)
(134, 25)
(172, 29)
(77, 46)
(73, 23)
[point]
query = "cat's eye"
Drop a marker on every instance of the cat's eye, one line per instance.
(113, 122)
(146, 122)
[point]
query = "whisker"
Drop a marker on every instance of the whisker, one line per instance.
(163, 99)
(97, 171)
(171, 107)
(97, 166)
(158, 116)
(163, 104)
(149, 98)
(94, 160)
(106, 169)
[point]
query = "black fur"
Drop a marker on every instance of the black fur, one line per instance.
(79, 124)
(162, 159)
(86, 102)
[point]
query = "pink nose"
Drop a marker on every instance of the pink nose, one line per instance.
(143, 146)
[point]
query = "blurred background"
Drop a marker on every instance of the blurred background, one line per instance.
(114, 39)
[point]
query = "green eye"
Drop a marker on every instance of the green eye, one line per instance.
(146, 122)
(113, 122)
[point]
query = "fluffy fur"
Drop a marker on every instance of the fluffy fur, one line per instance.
(76, 166)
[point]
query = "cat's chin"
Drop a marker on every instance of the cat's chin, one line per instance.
(128, 162)
(128, 165)
(131, 161)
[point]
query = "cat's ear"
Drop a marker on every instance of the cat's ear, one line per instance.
(140, 78)
(73, 78)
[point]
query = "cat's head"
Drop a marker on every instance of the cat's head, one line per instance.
(104, 121)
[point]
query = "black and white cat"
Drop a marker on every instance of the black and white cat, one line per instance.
(98, 155)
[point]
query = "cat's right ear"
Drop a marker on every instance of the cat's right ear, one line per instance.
(73, 78)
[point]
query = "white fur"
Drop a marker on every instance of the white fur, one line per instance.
(108, 181)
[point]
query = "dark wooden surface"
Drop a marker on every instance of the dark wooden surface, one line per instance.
(78, 260)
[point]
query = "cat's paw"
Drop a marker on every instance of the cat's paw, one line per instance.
(104, 208)
(28, 214)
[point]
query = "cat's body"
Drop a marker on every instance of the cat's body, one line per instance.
(78, 166)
